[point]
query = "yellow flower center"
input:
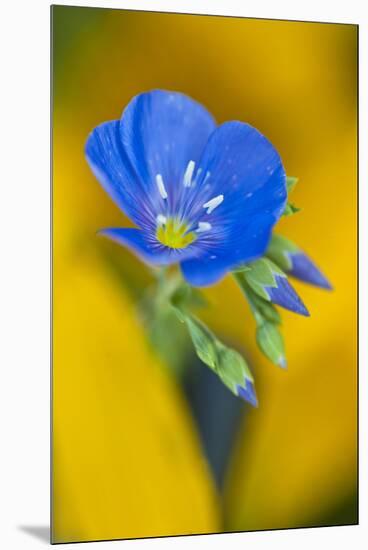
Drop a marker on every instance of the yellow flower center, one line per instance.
(173, 233)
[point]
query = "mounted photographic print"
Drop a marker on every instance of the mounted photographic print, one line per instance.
(204, 184)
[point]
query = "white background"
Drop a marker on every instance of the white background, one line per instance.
(25, 272)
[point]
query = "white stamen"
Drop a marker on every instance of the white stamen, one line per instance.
(161, 186)
(161, 219)
(188, 174)
(203, 226)
(213, 203)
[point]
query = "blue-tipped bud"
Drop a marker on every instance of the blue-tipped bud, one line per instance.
(285, 296)
(270, 283)
(247, 392)
(271, 342)
(304, 269)
(293, 261)
(227, 363)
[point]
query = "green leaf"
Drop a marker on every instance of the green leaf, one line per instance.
(262, 274)
(271, 343)
(291, 183)
(278, 251)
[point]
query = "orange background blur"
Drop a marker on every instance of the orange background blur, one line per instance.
(127, 457)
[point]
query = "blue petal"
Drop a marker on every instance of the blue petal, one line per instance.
(112, 168)
(241, 165)
(304, 269)
(285, 296)
(161, 132)
(248, 393)
(204, 271)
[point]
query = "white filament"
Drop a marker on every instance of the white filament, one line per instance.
(196, 178)
(206, 178)
(161, 186)
(189, 174)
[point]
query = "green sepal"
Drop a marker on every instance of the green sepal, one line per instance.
(232, 369)
(179, 313)
(226, 362)
(241, 268)
(266, 310)
(291, 182)
(278, 251)
(269, 338)
(290, 209)
(262, 274)
(271, 343)
(262, 310)
(203, 340)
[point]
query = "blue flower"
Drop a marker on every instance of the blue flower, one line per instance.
(204, 196)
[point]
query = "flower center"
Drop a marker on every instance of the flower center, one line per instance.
(174, 233)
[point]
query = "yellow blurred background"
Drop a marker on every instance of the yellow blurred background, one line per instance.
(127, 454)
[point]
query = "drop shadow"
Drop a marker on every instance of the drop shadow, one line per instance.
(40, 532)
